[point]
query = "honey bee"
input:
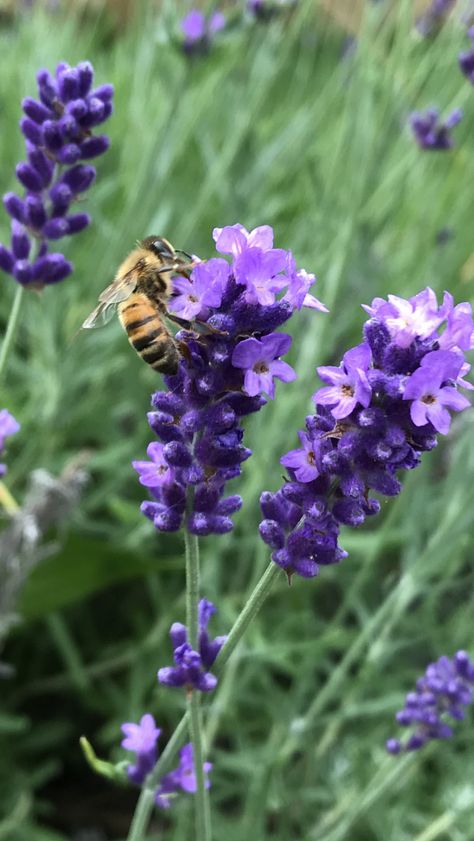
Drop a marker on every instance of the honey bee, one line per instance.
(140, 292)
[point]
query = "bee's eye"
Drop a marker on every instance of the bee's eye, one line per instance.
(161, 248)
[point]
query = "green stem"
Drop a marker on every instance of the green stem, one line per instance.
(248, 614)
(11, 327)
(203, 811)
(144, 807)
(192, 587)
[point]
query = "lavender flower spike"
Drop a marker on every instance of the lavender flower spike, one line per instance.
(440, 695)
(222, 376)
(384, 406)
(8, 426)
(58, 131)
(190, 668)
(430, 132)
(142, 739)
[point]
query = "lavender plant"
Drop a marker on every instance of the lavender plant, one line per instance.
(381, 408)
(376, 414)
(58, 131)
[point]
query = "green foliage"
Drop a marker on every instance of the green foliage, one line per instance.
(274, 126)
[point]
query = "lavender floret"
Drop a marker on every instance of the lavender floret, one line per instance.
(58, 134)
(430, 132)
(190, 669)
(223, 376)
(142, 739)
(440, 695)
(8, 426)
(199, 31)
(380, 410)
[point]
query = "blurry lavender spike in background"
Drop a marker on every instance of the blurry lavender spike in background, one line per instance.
(58, 134)
(430, 132)
(440, 695)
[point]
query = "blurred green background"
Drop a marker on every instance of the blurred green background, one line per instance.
(289, 124)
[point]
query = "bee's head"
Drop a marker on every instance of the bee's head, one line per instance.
(159, 246)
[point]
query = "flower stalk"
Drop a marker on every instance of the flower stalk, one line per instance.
(11, 328)
(203, 812)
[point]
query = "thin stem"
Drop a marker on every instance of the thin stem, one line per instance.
(192, 587)
(11, 327)
(248, 614)
(203, 811)
(142, 815)
(144, 807)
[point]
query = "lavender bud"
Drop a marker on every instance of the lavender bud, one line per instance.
(78, 222)
(22, 271)
(94, 146)
(31, 131)
(6, 259)
(20, 241)
(69, 154)
(85, 73)
(35, 110)
(29, 177)
(14, 206)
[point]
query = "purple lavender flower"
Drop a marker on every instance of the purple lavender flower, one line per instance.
(259, 360)
(222, 374)
(8, 426)
(142, 739)
(431, 400)
(349, 385)
(157, 472)
(199, 31)
(384, 406)
(58, 130)
(466, 59)
(190, 668)
(440, 694)
(183, 777)
(433, 18)
(430, 132)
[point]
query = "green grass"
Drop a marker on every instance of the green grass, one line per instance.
(273, 127)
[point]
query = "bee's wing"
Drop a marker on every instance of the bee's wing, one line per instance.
(100, 316)
(114, 294)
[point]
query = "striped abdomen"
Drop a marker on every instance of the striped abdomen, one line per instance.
(146, 332)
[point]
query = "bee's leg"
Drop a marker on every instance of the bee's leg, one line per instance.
(208, 329)
(180, 321)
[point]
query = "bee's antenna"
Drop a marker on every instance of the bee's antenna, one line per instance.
(180, 251)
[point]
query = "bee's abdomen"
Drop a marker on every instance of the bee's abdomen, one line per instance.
(148, 335)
